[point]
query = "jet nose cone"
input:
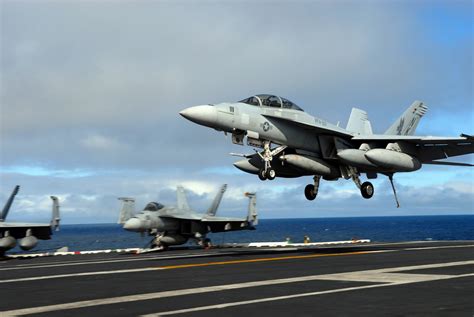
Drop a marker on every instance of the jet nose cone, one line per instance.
(203, 115)
(133, 224)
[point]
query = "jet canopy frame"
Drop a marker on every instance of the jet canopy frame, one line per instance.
(273, 101)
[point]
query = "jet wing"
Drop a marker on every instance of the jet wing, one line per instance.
(223, 224)
(429, 147)
(318, 126)
(18, 229)
(182, 216)
(416, 139)
(222, 219)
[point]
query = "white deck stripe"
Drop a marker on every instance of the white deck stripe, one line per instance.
(146, 269)
(440, 247)
(48, 277)
(137, 270)
(279, 298)
(106, 261)
(207, 289)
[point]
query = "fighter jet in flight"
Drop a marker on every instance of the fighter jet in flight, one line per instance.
(297, 144)
(174, 225)
(27, 233)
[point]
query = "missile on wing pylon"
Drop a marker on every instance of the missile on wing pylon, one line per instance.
(393, 160)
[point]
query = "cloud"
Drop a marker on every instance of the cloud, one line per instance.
(91, 92)
(101, 143)
(93, 198)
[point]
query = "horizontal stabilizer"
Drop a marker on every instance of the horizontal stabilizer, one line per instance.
(448, 163)
(429, 148)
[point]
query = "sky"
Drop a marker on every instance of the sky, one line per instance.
(91, 90)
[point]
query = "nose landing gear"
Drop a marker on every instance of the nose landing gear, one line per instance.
(267, 172)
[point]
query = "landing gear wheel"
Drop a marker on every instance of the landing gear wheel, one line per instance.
(207, 243)
(367, 190)
(309, 192)
(262, 175)
(158, 245)
(271, 174)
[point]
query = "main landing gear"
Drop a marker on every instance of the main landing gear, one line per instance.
(155, 242)
(366, 188)
(267, 172)
(311, 191)
(205, 243)
(202, 240)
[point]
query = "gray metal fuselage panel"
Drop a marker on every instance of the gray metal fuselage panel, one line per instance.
(246, 117)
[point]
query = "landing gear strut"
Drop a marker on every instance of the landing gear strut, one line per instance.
(202, 240)
(311, 191)
(156, 241)
(366, 188)
(205, 243)
(267, 172)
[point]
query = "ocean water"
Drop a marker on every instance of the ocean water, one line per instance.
(383, 229)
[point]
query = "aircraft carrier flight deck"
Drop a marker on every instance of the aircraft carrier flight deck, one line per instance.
(374, 279)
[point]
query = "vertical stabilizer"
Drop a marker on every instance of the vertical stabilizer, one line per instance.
(252, 216)
(8, 204)
(182, 201)
(55, 218)
(128, 208)
(406, 124)
(359, 123)
(217, 200)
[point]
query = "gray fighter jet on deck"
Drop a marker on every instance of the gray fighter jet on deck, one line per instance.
(28, 233)
(307, 145)
(174, 225)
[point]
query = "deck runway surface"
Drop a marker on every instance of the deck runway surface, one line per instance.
(410, 278)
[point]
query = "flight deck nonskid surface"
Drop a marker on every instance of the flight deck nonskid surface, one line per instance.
(411, 278)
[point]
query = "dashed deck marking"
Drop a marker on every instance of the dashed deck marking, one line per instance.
(279, 298)
(397, 279)
(107, 261)
(181, 266)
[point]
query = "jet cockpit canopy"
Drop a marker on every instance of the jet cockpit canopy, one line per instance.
(271, 101)
(153, 206)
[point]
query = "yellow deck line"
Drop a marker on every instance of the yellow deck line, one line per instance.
(282, 258)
